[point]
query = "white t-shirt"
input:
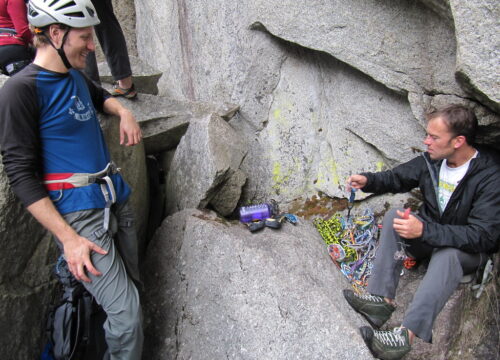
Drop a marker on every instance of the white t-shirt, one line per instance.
(449, 178)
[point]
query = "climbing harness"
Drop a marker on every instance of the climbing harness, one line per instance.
(64, 181)
(352, 243)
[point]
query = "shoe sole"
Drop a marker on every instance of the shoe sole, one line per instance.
(130, 97)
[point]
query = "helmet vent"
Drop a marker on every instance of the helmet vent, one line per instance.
(32, 11)
(76, 14)
(91, 11)
(68, 4)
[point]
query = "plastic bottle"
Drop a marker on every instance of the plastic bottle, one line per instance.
(255, 212)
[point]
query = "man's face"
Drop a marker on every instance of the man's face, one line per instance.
(440, 141)
(78, 44)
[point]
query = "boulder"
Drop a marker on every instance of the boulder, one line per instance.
(323, 91)
(24, 313)
(440, 7)
(206, 159)
(164, 120)
(478, 49)
(276, 294)
(226, 199)
(26, 286)
(325, 88)
(214, 290)
(132, 161)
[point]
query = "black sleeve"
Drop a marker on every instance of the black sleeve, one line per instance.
(401, 179)
(98, 94)
(481, 233)
(19, 138)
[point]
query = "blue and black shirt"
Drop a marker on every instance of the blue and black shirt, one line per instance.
(48, 124)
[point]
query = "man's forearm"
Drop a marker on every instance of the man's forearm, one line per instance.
(45, 212)
(113, 107)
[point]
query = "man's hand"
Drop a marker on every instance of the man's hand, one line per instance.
(410, 228)
(129, 129)
(77, 253)
(77, 249)
(130, 132)
(356, 182)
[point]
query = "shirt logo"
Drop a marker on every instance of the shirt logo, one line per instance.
(78, 109)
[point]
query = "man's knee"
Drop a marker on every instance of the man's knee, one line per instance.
(446, 255)
(391, 214)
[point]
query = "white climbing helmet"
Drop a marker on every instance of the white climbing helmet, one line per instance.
(73, 13)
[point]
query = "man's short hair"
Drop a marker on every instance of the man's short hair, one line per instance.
(460, 119)
(39, 34)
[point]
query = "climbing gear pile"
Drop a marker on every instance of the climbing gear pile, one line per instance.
(351, 243)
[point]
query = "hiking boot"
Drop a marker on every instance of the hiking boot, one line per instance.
(387, 345)
(374, 308)
(129, 93)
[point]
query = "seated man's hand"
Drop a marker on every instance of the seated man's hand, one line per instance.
(410, 228)
(356, 182)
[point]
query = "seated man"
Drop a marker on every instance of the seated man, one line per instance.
(457, 226)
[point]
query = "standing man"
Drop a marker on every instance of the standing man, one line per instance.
(457, 226)
(113, 44)
(58, 164)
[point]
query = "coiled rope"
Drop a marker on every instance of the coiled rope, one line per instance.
(352, 243)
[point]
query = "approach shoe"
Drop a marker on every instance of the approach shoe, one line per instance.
(129, 93)
(387, 345)
(374, 308)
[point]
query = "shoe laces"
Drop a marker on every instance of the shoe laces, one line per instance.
(393, 338)
(369, 297)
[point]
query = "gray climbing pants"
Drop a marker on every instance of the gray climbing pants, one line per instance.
(115, 290)
(445, 270)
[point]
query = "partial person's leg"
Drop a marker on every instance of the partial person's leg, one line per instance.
(114, 290)
(13, 58)
(446, 268)
(91, 68)
(112, 40)
(386, 271)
